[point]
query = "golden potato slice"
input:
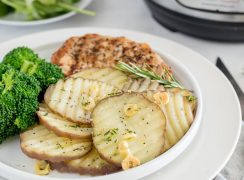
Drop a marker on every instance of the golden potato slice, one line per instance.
(178, 109)
(61, 126)
(128, 125)
(91, 164)
(118, 79)
(142, 84)
(108, 75)
(75, 98)
(41, 143)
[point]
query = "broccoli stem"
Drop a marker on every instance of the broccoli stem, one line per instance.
(8, 81)
(32, 69)
(28, 67)
(25, 66)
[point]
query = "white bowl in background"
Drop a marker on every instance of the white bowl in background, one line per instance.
(14, 19)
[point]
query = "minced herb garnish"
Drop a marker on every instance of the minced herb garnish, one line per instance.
(110, 134)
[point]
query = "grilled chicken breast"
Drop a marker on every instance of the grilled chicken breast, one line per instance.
(93, 50)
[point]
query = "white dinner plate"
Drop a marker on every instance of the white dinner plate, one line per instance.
(220, 126)
(14, 19)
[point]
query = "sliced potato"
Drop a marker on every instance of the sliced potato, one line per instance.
(119, 79)
(108, 75)
(128, 119)
(41, 143)
(61, 126)
(91, 164)
(178, 110)
(140, 85)
(75, 98)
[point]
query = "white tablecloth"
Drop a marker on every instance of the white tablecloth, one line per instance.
(234, 170)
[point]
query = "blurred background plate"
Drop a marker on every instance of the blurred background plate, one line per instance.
(14, 19)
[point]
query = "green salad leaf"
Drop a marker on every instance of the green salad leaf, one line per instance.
(4, 9)
(41, 9)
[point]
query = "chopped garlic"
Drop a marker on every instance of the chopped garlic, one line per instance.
(130, 109)
(129, 136)
(42, 167)
(130, 161)
(124, 148)
(161, 97)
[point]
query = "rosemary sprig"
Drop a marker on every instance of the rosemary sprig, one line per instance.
(167, 80)
(191, 98)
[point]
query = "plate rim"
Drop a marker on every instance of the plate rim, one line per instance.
(166, 40)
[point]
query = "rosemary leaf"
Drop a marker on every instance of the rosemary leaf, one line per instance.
(170, 82)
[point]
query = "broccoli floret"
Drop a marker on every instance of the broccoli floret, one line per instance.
(25, 60)
(18, 101)
(23, 75)
(47, 74)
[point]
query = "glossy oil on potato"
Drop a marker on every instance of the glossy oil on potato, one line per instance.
(144, 130)
(179, 113)
(41, 143)
(61, 126)
(118, 79)
(108, 75)
(75, 98)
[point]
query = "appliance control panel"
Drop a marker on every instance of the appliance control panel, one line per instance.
(224, 6)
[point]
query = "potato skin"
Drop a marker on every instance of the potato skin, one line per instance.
(34, 155)
(91, 163)
(61, 133)
(118, 165)
(43, 156)
(63, 167)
